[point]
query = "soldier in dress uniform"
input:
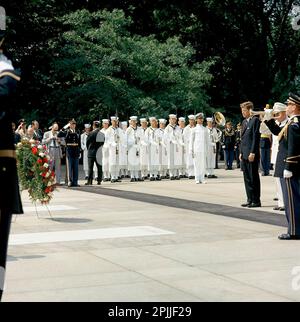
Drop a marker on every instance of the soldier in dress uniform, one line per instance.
(72, 139)
(133, 144)
(182, 168)
(153, 139)
(115, 138)
(186, 139)
(163, 155)
(173, 134)
(105, 152)
(212, 150)
(287, 164)
(144, 149)
(199, 145)
(10, 201)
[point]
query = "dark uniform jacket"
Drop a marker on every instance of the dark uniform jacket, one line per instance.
(250, 138)
(288, 157)
(9, 187)
(72, 140)
(93, 143)
(228, 139)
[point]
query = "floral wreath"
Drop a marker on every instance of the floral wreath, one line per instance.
(34, 171)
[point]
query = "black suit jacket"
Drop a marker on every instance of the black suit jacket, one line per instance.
(250, 138)
(93, 143)
(9, 188)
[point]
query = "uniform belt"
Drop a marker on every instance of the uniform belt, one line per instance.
(8, 154)
(72, 144)
(265, 136)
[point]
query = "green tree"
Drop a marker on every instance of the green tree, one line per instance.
(100, 68)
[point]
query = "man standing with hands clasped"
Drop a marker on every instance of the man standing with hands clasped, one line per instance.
(249, 155)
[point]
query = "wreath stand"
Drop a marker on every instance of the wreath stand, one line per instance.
(37, 213)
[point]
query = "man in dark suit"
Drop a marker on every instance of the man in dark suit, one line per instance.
(10, 201)
(94, 142)
(249, 155)
(288, 164)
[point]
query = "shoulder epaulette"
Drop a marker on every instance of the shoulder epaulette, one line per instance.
(10, 74)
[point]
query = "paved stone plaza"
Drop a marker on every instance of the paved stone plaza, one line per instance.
(138, 242)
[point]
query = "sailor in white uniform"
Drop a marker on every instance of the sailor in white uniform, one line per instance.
(124, 153)
(153, 139)
(173, 135)
(212, 149)
(115, 138)
(163, 154)
(183, 152)
(199, 145)
(186, 139)
(133, 145)
(105, 152)
(144, 149)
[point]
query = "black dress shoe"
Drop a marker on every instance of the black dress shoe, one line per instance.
(275, 199)
(132, 180)
(172, 178)
(289, 237)
(246, 204)
(177, 178)
(158, 179)
(98, 183)
(255, 205)
(152, 179)
(89, 183)
(213, 176)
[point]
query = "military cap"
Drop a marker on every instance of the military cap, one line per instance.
(295, 98)
(199, 116)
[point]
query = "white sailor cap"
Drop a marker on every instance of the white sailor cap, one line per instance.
(191, 117)
(163, 121)
(152, 118)
(114, 118)
(199, 115)
(279, 107)
(173, 116)
(87, 126)
(105, 121)
(181, 119)
(143, 120)
(133, 118)
(209, 119)
(124, 123)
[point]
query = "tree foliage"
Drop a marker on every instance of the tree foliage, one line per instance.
(151, 56)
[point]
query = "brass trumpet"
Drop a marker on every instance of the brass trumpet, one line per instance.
(262, 113)
(220, 118)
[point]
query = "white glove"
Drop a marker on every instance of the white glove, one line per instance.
(268, 114)
(223, 147)
(287, 174)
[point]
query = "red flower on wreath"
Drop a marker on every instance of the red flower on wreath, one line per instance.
(48, 190)
(39, 161)
(34, 150)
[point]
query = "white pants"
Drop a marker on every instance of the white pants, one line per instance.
(200, 167)
(279, 193)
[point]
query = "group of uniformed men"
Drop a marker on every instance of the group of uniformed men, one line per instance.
(158, 151)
